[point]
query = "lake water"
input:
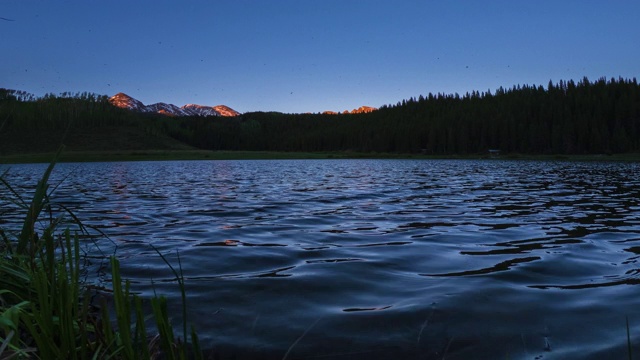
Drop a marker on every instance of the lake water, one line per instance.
(375, 259)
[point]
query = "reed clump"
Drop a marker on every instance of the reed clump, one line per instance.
(47, 311)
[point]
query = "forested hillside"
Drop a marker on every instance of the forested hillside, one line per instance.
(562, 118)
(82, 121)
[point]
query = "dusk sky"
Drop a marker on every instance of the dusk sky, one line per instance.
(310, 55)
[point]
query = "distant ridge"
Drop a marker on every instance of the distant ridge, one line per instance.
(125, 101)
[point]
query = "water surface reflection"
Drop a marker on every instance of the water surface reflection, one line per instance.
(377, 258)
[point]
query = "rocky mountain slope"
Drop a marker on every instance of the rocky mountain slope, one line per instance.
(125, 101)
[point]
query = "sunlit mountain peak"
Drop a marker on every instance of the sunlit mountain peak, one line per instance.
(125, 101)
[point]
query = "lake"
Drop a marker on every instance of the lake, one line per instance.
(375, 259)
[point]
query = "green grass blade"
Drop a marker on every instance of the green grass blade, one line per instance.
(141, 331)
(37, 204)
(180, 279)
(159, 307)
(195, 342)
(123, 309)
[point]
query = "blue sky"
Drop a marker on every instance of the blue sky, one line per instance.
(310, 55)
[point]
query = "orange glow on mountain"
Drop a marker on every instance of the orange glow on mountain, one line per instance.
(360, 110)
(125, 101)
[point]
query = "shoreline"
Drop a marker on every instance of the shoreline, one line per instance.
(168, 155)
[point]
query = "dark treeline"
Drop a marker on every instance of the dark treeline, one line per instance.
(22, 111)
(82, 121)
(562, 118)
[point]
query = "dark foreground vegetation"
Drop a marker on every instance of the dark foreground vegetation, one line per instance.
(599, 117)
(49, 311)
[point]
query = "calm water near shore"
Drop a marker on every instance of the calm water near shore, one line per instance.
(376, 259)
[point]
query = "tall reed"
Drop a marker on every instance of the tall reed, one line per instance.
(48, 312)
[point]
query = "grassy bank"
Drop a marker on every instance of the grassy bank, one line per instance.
(159, 155)
(48, 312)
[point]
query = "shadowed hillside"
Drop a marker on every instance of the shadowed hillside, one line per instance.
(84, 122)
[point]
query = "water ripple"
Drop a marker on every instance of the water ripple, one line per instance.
(474, 259)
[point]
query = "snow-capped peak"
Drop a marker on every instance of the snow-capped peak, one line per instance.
(125, 101)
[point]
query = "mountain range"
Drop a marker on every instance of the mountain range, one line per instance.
(125, 101)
